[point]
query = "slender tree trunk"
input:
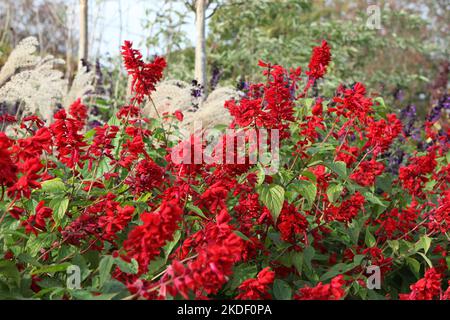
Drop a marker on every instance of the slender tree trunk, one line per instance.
(200, 47)
(84, 39)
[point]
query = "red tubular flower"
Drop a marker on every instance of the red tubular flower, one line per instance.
(28, 179)
(37, 223)
(33, 146)
(440, 216)
(145, 242)
(148, 175)
(347, 154)
(320, 59)
(98, 223)
(8, 170)
(269, 106)
(144, 75)
(367, 172)
(256, 289)
(102, 143)
(414, 176)
(347, 211)
(427, 288)
(381, 133)
(397, 223)
(78, 111)
(352, 103)
(291, 223)
(333, 291)
(68, 140)
(217, 248)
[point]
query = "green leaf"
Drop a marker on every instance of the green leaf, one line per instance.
(281, 290)
(370, 240)
(427, 260)
(308, 255)
(169, 247)
(334, 192)
(59, 207)
(373, 199)
(52, 269)
(339, 167)
(9, 270)
(241, 235)
(105, 267)
(53, 186)
(196, 209)
(273, 198)
(414, 265)
(261, 176)
(127, 267)
(424, 243)
(307, 189)
(297, 261)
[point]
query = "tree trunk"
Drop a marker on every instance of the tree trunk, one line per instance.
(200, 47)
(83, 44)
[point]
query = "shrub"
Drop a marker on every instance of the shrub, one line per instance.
(115, 204)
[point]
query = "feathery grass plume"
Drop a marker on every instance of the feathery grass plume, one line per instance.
(173, 95)
(169, 96)
(23, 56)
(39, 88)
(213, 112)
(82, 85)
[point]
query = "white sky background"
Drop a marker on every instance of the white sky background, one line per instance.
(106, 23)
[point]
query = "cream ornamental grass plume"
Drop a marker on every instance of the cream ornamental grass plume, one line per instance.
(82, 85)
(23, 56)
(173, 95)
(37, 84)
(38, 88)
(169, 96)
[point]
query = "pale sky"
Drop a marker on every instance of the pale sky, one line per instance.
(106, 22)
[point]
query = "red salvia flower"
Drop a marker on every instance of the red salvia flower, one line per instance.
(427, 288)
(145, 242)
(367, 172)
(37, 223)
(256, 289)
(332, 291)
(147, 176)
(320, 59)
(144, 75)
(8, 170)
(291, 223)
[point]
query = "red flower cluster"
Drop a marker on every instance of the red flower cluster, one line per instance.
(66, 132)
(8, 170)
(427, 288)
(332, 291)
(381, 133)
(147, 176)
(37, 223)
(256, 289)
(440, 216)
(367, 172)
(352, 103)
(414, 176)
(292, 224)
(217, 249)
(144, 75)
(348, 209)
(320, 59)
(144, 242)
(269, 106)
(397, 223)
(98, 223)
